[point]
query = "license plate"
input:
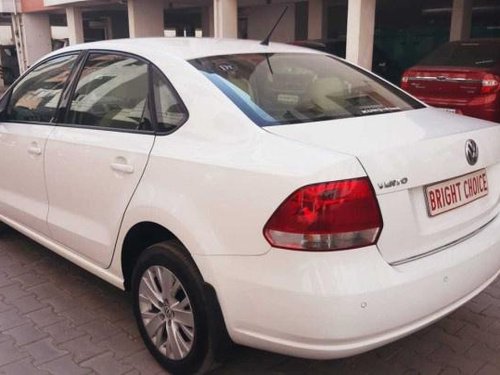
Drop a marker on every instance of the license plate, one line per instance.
(450, 110)
(456, 192)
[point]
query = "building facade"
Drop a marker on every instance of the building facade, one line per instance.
(401, 30)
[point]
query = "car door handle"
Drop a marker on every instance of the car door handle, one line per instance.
(34, 149)
(121, 167)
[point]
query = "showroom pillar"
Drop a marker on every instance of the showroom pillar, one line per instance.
(75, 25)
(461, 15)
(226, 18)
(207, 21)
(145, 18)
(360, 30)
(33, 37)
(315, 20)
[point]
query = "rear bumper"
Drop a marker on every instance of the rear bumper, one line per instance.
(330, 305)
(485, 108)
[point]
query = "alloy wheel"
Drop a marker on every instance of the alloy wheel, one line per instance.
(166, 312)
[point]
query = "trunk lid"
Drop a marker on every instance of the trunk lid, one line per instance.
(403, 153)
(446, 82)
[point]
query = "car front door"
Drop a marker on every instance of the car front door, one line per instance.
(96, 156)
(26, 124)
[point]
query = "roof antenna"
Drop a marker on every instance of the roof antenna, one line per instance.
(265, 42)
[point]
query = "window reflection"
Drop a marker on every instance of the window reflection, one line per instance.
(286, 88)
(36, 97)
(170, 112)
(112, 92)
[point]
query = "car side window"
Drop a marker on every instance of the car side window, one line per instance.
(170, 111)
(112, 92)
(36, 97)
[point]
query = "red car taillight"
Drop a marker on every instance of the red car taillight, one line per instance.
(335, 215)
(489, 84)
(405, 81)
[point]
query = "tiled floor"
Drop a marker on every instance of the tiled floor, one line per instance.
(58, 319)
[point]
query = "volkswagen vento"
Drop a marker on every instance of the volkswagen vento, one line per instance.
(275, 196)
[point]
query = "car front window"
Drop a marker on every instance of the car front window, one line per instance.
(285, 88)
(112, 93)
(36, 97)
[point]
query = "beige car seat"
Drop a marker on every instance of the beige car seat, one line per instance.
(323, 93)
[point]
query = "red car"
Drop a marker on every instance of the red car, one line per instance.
(463, 77)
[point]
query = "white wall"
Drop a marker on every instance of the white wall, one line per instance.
(170, 33)
(145, 18)
(6, 35)
(59, 32)
(225, 18)
(262, 18)
(7, 6)
(461, 18)
(36, 36)
(62, 2)
(360, 32)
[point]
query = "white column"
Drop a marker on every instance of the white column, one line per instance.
(75, 25)
(461, 19)
(360, 30)
(315, 20)
(226, 18)
(207, 21)
(36, 36)
(145, 18)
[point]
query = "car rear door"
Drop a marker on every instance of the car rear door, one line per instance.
(26, 124)
(96, 155)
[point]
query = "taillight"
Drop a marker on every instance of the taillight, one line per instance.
(404, 81)
(489, 84)
(335, 215)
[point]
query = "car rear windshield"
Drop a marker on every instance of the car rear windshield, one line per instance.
(286, 88)
(466, 54)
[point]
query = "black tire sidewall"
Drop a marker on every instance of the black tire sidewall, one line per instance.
(3, 227)
(171, 257)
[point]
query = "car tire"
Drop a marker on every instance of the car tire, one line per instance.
(178, 320)
(3, 227)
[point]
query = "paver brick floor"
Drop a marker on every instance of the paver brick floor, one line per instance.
(56, 318)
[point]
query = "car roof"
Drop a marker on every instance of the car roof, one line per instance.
(188, 48)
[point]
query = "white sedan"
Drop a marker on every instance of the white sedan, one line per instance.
(272, 195)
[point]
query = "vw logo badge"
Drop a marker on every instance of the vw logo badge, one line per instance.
(471, 152)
